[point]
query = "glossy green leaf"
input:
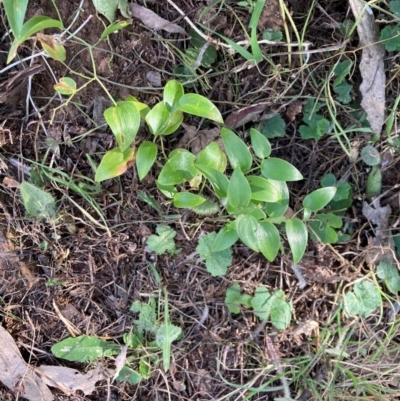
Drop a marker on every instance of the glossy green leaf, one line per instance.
(239, 192)
(278, 208)
(187, 200)
(173, 91)
(247, 228)
(15, 12)
(297, 236)
(213, 157)
(263, 190)
(114, 27)
(225, 238)
(114, 163)
(319, 198)
(268, 240)
(157, 118)
(143, 109)
(84, 349)
(279, 170)
(124, 121)
(31, 27)
(236, 150)
(363, 300)
(65, 86)
(145, 158)
(207, 208)
(198, 105)
(168, 191)
(218, 180)
(260, 144)
(178, 169)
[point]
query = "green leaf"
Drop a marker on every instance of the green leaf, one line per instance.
(164, 241)
(145, 158)
(84, 349)
(158, 119)
(278, 208)
(239, 192)
(370, 156)
(167, 333)
(390, 37)
(52, 46)
(218, 180)
(343, 90)
(217, 263)
(394, 7)
(168, 191)
(390, 274)
(114, 163)
(34, 25)
(187, 200)
(206, 208)
(236, 150)
(260, 303)
(124, 121)
(322, 228)
(198, 105)
(15, 12)
(274, 127)
(149, 200)
(38, 203)
(234, 299)
(341, 70)
(65, 86)
(263, 190)
(247, 229)
(268, 240)
(343, 188)
(297, 236)
(260, 144)
(225, 238)
(319, 198)
(108, 8)
(147, 316)
(281, 311)
(272, 36)
(317, 126)
(114, 27)
(129, 375)
(374, 182)
(212, 156)
(279, 170)
(173, 91)
(363, 300)
(178, 169)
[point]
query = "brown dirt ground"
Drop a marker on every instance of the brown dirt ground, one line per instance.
(102, 275)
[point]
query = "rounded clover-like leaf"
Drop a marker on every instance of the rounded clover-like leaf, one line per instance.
(297, 235)
(124, 121)
(268, 240)
(188, 200)
(145, 158)
(236, 150)
(114, 163)
(260, 144)
(319, 198)
(280, 170)
(198, 105)
(239, 192)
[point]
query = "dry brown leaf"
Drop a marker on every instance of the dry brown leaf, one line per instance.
(16, 374)
(9, 182)
(70, 380)
(197, 140)
(153, 21)
(371, 67)
(240, 117)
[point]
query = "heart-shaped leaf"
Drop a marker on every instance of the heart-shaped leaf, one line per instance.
(145, 158)
(124, 121)
(198, 105)
(236, 150)
(114, 163)
(319, 198)
(279, 170)
(297, 236)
